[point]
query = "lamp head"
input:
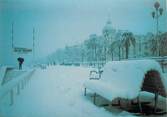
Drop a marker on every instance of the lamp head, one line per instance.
(161, 11)
(157, 5)
(153, 14)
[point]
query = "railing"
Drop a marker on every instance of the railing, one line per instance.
(99, 64)
(161, 60)
(17, 83)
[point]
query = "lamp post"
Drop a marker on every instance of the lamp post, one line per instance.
(33, 44)
(12, 36)
(156, 15)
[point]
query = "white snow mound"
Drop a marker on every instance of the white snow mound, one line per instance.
(123, 79)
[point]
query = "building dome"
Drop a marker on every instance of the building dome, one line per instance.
(108, 30)
(108, 27)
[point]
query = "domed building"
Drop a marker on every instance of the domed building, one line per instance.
(108, 31)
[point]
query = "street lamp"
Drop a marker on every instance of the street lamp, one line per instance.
(33, 44)
(156, 14)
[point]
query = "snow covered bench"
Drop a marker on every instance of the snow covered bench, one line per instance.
(95, 74)
(126, 79)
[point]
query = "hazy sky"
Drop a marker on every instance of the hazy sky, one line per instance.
(67, 22)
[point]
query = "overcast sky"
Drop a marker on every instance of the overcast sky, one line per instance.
(68, 22)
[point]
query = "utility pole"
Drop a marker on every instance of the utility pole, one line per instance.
(12, 35)
(12, 39)
(12, 43)
(33, 44)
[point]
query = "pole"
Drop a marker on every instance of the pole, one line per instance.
(11, 97)
(12, 41)
(12, 35)
(157, 21)
(33, 44)
(158, 46)
(155, 102)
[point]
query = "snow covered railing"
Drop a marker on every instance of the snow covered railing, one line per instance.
(3, 71)
(145, 58)
(18, 83)
(126, 79)
(161, 60)
(90, 63)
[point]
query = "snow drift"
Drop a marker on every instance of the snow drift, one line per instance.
(125, 79)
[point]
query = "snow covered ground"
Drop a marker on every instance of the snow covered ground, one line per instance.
(56, 92)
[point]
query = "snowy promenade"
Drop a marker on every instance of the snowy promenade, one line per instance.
(55, 92)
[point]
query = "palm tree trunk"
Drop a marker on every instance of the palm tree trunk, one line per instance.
(95, 55)
(112, 56)
(122, 52)
(134, 51)
(127, 52)
(105, 54)
(119, 53)
(82, 57)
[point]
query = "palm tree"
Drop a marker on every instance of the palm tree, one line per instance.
(105, 46)
(82, 53)
(111, 50)
(163, 42)
(118, 44)
(91, 45)
(153, 46)
(128, 39)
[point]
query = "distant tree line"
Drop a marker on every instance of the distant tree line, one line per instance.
(111, 46)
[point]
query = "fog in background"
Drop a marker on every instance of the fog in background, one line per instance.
(67, 22)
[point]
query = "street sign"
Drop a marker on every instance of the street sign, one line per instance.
(22, 50)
